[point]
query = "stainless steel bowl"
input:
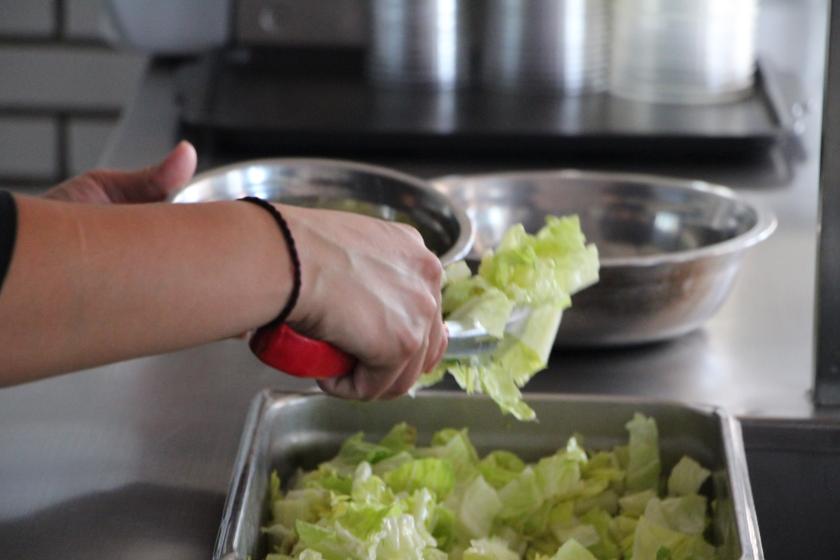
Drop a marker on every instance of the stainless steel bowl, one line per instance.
(342, 185)
(670, 249)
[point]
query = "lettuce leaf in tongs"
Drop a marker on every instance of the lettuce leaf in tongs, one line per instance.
(535, 273)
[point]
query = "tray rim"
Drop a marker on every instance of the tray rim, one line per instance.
(730, 429)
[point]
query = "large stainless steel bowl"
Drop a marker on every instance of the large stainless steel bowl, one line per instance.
(342, 185)
(670, 248)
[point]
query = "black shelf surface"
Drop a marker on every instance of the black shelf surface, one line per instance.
(280, 102)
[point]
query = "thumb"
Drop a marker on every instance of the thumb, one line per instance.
(152, 183)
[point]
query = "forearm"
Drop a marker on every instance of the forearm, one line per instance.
(94, 284)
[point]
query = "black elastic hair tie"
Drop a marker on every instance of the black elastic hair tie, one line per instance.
(290, 243)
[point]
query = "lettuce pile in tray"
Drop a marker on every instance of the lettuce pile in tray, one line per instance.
(539, 272)
(396, 500)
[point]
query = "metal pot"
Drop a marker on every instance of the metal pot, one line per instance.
(545, 45)
(684, 51)
(419, 43)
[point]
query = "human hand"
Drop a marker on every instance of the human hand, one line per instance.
(152, 184)
(371, 288)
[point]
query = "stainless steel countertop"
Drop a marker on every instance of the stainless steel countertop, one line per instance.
(133, 460)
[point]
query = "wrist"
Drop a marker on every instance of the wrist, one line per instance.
(298, 269)
(291, 259)
(275, 284)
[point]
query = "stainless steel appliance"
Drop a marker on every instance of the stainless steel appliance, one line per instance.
(827, 308)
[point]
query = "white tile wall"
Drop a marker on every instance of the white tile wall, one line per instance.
(81, 18)
(58, 77)
(59, 89)
(27, 18)
(28, 147)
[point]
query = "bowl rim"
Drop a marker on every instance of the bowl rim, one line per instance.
(765, 223)
(462, 245)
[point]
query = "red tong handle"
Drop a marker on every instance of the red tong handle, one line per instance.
(287, 350)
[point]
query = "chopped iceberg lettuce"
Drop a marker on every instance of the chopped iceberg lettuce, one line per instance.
(687, 477)
(396, 499)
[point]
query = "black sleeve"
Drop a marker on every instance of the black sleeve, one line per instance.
(8, 232)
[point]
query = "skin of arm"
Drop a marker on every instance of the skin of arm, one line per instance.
(100, 282)
(92, 284)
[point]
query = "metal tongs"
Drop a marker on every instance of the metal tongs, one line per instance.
(285, 349)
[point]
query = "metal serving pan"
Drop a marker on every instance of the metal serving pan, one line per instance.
(285, 431)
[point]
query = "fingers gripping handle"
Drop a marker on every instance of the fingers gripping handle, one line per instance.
(287, 350)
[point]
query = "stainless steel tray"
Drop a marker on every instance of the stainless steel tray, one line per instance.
(285, 431)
